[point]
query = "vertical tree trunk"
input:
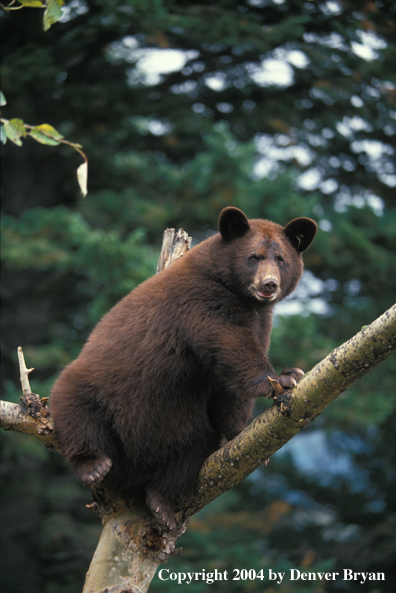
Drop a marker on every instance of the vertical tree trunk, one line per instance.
(128, 554)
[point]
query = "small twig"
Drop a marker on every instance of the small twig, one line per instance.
(10, 6)
(24, 373)
(276, 386)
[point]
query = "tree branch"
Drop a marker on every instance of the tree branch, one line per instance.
(31, 416)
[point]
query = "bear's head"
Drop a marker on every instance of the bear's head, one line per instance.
(264, 258)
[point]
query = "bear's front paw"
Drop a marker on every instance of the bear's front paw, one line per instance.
(289, 377)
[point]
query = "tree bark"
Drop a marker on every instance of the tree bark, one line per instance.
(132, 545)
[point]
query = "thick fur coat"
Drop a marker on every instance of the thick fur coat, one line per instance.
(178, 363)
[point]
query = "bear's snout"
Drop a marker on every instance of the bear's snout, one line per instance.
(269, 285)
(266, 289)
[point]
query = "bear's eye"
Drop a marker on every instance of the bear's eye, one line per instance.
(253, 258)
(280, 261)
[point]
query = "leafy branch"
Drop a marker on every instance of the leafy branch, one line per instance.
(15, 129)
(52, 9)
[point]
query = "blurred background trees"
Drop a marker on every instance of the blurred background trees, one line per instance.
(283, 108)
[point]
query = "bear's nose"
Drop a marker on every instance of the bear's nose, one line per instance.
(269, 285)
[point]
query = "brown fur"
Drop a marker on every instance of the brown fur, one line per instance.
(178, 363)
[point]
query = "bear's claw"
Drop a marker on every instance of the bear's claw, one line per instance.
(95, 471)
(162, 510)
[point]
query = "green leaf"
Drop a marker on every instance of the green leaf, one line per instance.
(52, 13)
(49, 130)
(43, 139)
(46, 134)
(3, 135)
(32, 3)
(82, 177)
(15, 130)
(3, 100)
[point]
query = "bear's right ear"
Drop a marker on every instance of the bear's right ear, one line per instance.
(232, 223)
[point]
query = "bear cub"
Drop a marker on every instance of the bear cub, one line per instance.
(177, 364)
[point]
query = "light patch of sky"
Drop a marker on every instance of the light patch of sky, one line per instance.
(333, 40)
(274, 150)
(152, 63)
(344, 199)
(369, 43)
(328, 186)
(380, 157)
(271, 72)
(149, 63)
(312, 454)
(306, 299)
(332, 7)
(310, 179)
(367, 47)
(146, 125)
(72, 10)
(163, 61)
(217, 81)
(374, 148)
(349, 125)
(297, 58)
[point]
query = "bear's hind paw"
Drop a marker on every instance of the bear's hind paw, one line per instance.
(94, 471)
(162, 510)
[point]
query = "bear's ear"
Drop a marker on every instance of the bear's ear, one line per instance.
(301, 232)
(232, 223)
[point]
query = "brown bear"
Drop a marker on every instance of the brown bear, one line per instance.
(178, 363)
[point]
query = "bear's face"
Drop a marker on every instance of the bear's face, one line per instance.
(265, 257)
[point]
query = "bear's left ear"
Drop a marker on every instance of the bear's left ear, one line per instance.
(301, 232)
(232, 223)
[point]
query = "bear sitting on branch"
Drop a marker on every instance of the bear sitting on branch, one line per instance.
(177, 364)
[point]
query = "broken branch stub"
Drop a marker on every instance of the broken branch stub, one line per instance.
(174, 245)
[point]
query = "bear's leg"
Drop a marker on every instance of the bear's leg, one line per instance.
(173, 482)
(162, 509)
(82, 429)
(229, 415)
